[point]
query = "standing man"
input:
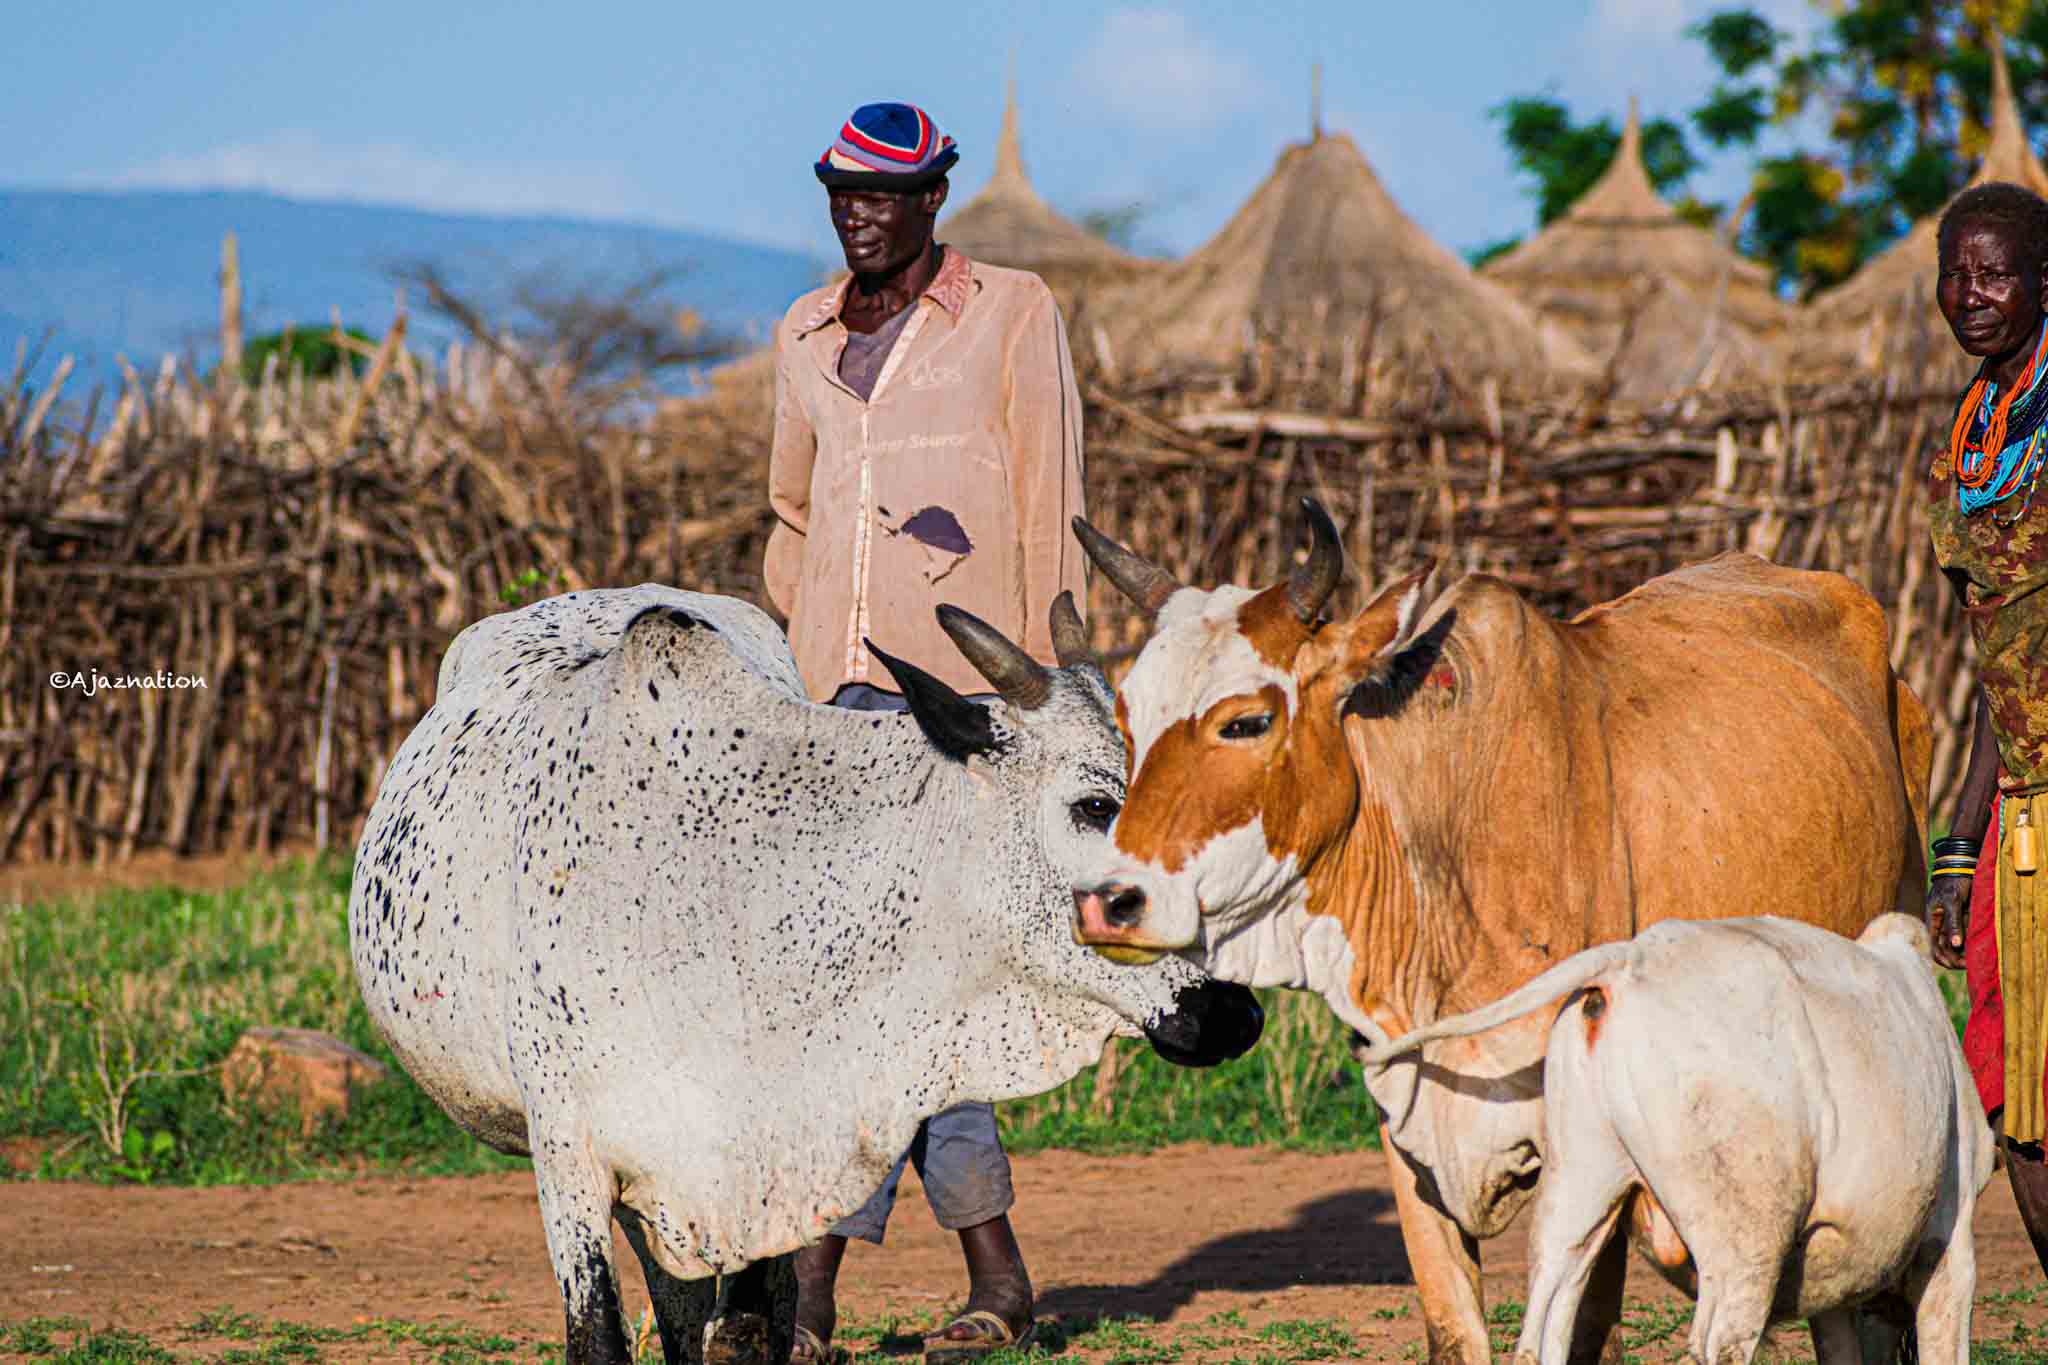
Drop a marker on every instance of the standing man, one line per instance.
(927, 449)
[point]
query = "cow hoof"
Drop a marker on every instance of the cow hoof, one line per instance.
(743, 1339)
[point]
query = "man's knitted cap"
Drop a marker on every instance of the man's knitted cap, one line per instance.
(886, 147)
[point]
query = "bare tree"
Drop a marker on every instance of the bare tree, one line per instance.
(618, 338)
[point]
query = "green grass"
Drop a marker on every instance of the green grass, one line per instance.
(233, 1338)
(116, 1012)
(1644, 1326)
(70, 1340)
(1504, 1324)
(251, 1341)
(1130, 1340)
(244, 1339)
(1298, 1088)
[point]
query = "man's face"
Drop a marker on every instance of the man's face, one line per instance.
(1989, 294)
(883, 231)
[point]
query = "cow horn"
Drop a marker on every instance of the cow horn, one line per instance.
(1020, 679)
(1313, 582)
(1144, 582)
(1070, 634)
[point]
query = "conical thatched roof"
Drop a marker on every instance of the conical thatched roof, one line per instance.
(1319, 254)
(1896, 288)
(1620, 271)
(1008, 224)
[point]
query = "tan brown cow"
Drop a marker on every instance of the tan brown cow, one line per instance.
(1413, 813)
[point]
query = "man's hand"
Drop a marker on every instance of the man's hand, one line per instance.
(1948, 918)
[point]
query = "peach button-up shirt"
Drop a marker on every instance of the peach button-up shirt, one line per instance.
(953, 482)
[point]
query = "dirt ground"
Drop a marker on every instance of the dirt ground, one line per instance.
(1174, 1236)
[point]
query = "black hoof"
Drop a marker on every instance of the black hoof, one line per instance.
(743, 1339)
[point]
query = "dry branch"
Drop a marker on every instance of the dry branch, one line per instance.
(311, 547)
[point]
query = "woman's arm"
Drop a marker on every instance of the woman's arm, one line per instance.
(1948, 897)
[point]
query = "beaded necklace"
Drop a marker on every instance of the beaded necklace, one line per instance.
(1988, 470)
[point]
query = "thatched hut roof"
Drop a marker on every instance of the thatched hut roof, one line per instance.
(1008, 224)
(1321, 255)
(1664, 301)
(1894, 291)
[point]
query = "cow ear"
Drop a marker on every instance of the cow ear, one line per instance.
(1401, 672)
(1383, 627)
(1384, 661)
(958, 728)
(1402, 600)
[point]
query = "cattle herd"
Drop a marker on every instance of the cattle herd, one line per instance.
(709, 952)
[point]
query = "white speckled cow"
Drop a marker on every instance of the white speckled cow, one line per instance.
(709, 952)
(1784, 1114)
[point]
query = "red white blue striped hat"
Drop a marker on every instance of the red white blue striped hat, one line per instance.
(886, 147)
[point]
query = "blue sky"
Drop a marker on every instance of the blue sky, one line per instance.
(708, 115)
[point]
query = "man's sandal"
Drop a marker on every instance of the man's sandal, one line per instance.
(809, 1348)
(991, 1333)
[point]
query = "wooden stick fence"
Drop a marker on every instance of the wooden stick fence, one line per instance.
(309, 548)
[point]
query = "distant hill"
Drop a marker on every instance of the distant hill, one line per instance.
(136, 273)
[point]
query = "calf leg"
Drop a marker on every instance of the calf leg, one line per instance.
(1884, 1329)
(1594, 1338)
(1834, 1338)
(1578, 1207)
(682, 1308)
(1734, 1311)
(576, 1210)
(1941, 1310)
(756, 1314)
(1445, 1263)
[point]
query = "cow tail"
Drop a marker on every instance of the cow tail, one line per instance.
(1581, 969)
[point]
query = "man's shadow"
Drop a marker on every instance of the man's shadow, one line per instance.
(1341, 1239)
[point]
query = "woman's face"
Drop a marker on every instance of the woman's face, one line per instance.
(1990, 295)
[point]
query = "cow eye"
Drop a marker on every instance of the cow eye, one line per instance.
(1248, 727)
(1096, 812)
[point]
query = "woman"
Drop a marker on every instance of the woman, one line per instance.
(1987, 906)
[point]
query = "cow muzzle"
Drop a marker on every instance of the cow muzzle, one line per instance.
(1211, 1021)
(1109, 919)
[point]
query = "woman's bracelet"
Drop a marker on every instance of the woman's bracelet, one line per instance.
(1958, 845)
(1953, 872)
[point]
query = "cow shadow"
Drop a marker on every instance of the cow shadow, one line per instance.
(1347, 1238)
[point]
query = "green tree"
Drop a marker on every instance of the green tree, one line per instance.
(1116, 224)
(1480, 255)
(1565, 157)
(312, 348)
(1899, 92)
(1126, 225)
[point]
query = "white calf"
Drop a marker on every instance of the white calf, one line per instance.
(1783, 1114)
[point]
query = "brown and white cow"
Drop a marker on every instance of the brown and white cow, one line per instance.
(1413, 813)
